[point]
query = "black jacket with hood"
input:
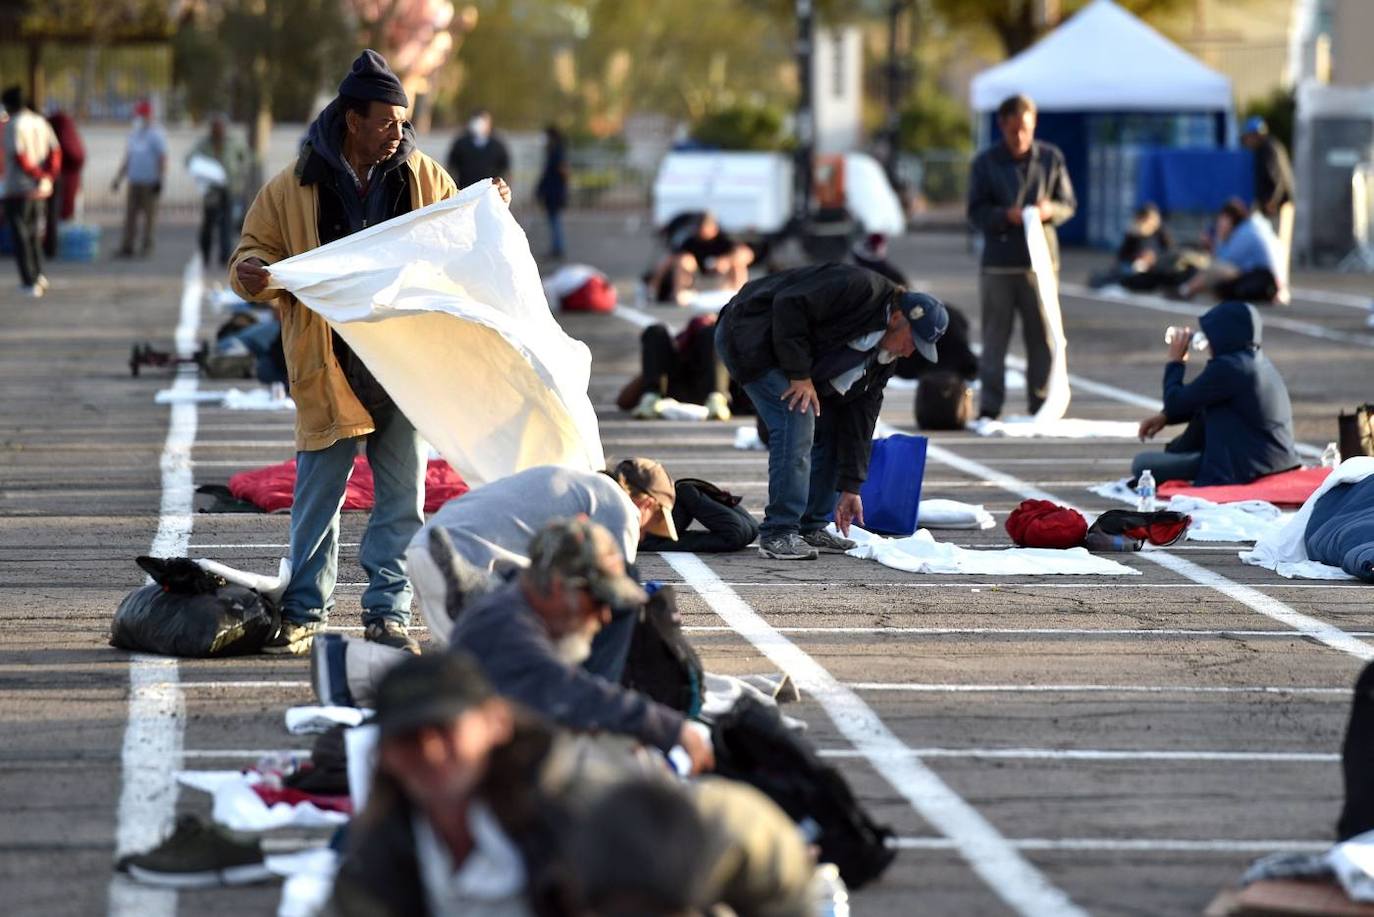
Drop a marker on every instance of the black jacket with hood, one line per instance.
(998, 182)
(789, 320)
(1246, 417)
(343, 212)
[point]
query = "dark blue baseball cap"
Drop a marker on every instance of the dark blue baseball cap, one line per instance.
(929, 320)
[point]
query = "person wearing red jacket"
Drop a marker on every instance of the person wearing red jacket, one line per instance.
(62, 204)
(32, 159)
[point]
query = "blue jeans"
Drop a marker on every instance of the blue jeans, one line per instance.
(802, 471)
(398, 459)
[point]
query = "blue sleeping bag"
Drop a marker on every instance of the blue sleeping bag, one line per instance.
(1340, 531)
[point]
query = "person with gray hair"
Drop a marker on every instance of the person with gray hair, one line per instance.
(1016, 173)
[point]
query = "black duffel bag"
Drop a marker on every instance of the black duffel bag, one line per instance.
(186, 611)
(754, 746)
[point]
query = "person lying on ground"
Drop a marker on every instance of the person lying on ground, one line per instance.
(533, 635)
(707, 257)
(477, 806)
(1240, 421)
(555, 637)
(651, 849)
(814, 347)
(489, 530)
(684, 368)
(1340, 530)
(1244, 261)
(725, 525)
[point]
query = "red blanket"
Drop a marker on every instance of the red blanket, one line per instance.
(1287, 488)
(271, 488)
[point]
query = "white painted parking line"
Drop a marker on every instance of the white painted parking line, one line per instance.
(925, 688)
(199, 753)
(1099, 754)
(1132, 845)
(1332, 298)
(1020, 632)
(1019, 884)
(153, 735)
(244, 684)
(1271, 320)
(1252, 598)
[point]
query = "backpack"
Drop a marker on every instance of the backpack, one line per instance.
(661, 664)
(753, 745)
(943, 402)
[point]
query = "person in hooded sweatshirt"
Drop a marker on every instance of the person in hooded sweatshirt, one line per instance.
(357, 167)
(1240, 421)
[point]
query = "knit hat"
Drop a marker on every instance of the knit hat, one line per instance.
(371, 80)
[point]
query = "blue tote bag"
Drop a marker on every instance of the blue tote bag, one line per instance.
(892, 493)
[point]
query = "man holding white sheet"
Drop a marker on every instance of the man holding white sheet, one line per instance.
(1017, 173)
(358, 167)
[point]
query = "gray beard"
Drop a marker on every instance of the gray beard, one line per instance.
(574, 648)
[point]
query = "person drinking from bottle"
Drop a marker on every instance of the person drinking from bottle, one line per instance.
(1240, 421)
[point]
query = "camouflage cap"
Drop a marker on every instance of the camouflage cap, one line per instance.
(584, 553)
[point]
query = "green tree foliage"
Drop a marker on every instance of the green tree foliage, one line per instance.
(257, 57)
(742, 127)
(933, 120)
(1278, 110)
(1014, 22)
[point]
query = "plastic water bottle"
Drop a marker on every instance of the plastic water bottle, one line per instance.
(1331, 456)
(830, 893)
(1145, 492)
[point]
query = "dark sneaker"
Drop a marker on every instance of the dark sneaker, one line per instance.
(787, 547)
(391, 633)
(827, 542)
(199, 855)
(328, 676)
(292, 639)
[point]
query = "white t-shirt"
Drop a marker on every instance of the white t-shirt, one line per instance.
(489, 883)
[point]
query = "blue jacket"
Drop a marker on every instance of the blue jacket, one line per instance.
(1340, 531)
(1247, 420)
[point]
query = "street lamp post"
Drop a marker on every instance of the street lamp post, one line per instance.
(805, 116)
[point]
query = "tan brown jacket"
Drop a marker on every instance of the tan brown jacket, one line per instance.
(282, 222)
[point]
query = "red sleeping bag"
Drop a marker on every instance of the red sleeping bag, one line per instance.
(1042, 524)
(271, 488)
(596, 295)
(1287, 488)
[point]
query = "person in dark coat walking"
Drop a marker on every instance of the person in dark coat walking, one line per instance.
(1273, 171)
(814, 347)
(1240, 421)
(478, 153)
(552, 191)
(1017, 173)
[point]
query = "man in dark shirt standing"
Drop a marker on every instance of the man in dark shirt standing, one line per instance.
(1273, 171)
(478, 153)
(1017, 173)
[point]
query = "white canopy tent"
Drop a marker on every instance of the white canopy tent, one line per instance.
(1104, 59)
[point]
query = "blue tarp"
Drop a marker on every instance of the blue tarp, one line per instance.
(1194, 180)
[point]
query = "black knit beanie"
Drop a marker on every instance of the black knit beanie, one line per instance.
(371, 80)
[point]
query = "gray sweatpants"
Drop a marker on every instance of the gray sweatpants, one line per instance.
(1005, 296)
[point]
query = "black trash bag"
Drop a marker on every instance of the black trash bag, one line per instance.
(189, 612)
(753, 745)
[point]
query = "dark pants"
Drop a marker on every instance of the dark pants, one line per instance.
(689, 375)
(1256, 285)
(22, 215)
(728, 528)
(1004, 297)
(217, 216)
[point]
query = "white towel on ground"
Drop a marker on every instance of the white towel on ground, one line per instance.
(747, 439)
(1063, 428)
(951, 514)
(309, 876)
(254, 399)
(1247, 520)
(921, 553)
(310, 719)
(238, 808)
(1285, 551)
